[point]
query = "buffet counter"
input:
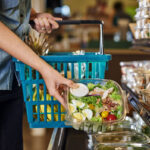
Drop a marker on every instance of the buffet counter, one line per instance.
(68, 139)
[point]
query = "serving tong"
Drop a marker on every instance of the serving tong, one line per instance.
(139, 107)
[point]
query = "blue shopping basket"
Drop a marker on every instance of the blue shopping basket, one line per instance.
(43, 110)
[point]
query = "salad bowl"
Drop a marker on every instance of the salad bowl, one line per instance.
(94, 103)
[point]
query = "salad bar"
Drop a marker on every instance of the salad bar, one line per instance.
(101, 120)
(132, 134)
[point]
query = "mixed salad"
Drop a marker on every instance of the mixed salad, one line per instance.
(95, 102)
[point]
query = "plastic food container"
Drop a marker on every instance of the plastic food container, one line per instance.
(141, 79)
(136, 74)
(142, 33)
(145, 33)
(127, 68)
(143, 23)
(144, 3)
(143, 12)
(146, 96)
(138, 33)
(124, 133)
(122, 147)
(104, 104)
(130, 134)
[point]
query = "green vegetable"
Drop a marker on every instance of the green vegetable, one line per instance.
(115, 96)
(91, 86)
(117, 112)
(119, 108)
(98, 85)
(109, 85)
(88, 99)
(148, 34)
(96, 119)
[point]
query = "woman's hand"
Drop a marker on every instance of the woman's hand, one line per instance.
(53, 79)
(45, 22)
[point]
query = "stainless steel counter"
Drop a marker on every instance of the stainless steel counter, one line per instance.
(69, 139)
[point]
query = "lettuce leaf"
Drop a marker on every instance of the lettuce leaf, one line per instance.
(109, 85)
(87, 99)
(96, 119)
(91, 86)
(115, 96)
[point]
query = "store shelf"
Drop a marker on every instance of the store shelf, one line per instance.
(143, 44)
(139, 107)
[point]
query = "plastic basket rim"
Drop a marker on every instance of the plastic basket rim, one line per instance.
(74, 58)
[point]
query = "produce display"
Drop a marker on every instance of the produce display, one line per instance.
(95, 103)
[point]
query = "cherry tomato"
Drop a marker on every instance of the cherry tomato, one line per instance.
(104, 114)
(111, 117)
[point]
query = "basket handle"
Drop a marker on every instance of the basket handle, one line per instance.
(78, 22)
(69, 22)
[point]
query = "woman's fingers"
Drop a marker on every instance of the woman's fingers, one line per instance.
(56, 94)
(44, 22)
(47, 25)
(69, 83)
(53, 23)
(37, 24)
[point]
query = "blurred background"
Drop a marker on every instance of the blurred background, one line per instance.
(116, 15)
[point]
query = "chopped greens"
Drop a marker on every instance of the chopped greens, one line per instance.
(102, 103)
(111, 84)
(96, 119)
(115, 96)
(91, 86)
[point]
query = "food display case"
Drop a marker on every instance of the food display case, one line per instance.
(131, 133)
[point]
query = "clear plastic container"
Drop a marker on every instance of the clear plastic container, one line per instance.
(124, 133)
(127, 135)
(143, 12)
(145, 33)
(136, 74)
(138, 146)
(105, 104)
(143, 23)
(138, 33)
(145, 96)
(142, 33)
(127, 68)
(144, 3)
(141, 79)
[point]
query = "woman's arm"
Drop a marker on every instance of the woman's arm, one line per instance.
(13, 45)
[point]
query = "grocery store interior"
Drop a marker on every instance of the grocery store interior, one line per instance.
(126, 37)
